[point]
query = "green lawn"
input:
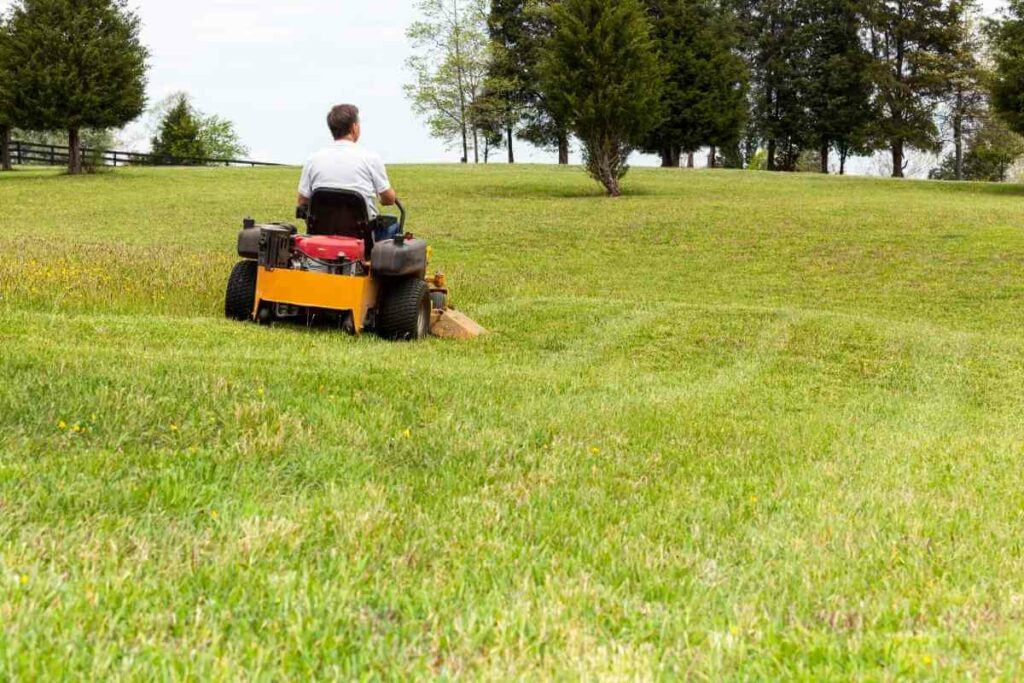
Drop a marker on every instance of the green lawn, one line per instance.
(732, 425)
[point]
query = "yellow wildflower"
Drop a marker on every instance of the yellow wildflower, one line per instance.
(62, 425)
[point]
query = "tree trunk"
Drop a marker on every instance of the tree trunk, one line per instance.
(5, 148)
(611, 184)
(74, 152)
(958, 141)
(712, 157)
(511, 150)
(897, 158)
(771, 155)
(670, 157)
(842, 162)
(476, 146)
(824, 156)
(563, 149)
(690, 160)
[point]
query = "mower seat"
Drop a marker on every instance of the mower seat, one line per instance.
(338, 212)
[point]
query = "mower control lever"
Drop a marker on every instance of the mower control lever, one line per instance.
(401, 215)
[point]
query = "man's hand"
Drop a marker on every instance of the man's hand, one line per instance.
(303, 200)
(388, 197)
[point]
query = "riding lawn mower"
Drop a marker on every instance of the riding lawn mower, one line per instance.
(348, 270)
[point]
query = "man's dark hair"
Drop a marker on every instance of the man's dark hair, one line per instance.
(341, 119)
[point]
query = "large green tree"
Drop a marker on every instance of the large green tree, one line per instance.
(75, 64)
(779, 65)
(601, 74)
(837, 82)
(1007, 40)
(519, 29)
(704, 93)
(909, 41)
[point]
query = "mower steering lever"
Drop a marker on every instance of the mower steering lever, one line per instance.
(401, 215)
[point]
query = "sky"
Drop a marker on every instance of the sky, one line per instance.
(275, 68)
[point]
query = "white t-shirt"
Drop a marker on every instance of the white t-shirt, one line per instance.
(344, 165)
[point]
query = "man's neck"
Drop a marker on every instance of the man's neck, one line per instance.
(347, 138)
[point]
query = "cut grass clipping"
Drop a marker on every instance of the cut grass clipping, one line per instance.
(733, 425)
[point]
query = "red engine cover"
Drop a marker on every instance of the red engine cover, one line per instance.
(330, 247)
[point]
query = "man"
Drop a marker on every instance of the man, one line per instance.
(345, 165)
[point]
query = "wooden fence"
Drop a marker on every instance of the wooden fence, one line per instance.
(56, 155)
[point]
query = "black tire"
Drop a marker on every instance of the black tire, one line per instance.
(404, 311)
(241, 294)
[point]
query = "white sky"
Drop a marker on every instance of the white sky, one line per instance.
(275, 67)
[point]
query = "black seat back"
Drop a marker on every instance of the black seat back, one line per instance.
(338, 212)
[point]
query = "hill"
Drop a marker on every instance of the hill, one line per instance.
(731, 425)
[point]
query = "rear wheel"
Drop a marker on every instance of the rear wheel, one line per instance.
(404, 312)
(241, 293)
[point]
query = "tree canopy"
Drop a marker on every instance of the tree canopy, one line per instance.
(74, 64)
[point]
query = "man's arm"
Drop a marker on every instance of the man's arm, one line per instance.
(381, 183)
(305, 185)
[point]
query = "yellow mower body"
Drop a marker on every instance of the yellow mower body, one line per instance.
(356, 295)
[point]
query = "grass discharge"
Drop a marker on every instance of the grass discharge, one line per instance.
(732, 425)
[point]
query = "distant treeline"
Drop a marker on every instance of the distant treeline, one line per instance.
(775, 84)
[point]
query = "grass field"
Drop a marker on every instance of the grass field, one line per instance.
(732, 425)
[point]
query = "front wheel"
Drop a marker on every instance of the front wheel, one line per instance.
(404, 311)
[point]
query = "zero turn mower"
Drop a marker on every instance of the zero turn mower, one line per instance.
(348, 270)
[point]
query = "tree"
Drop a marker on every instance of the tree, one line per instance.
(6, 105)
(704, 93)
(964, 101)
(519, 29)
(449, 68)
(600, 74)
(992, 148)
(179, 134)
(908, 40)
(188, 135)
(838, 80)
(219, 138)
(779, 67)
(505, 83)
(1007, 40)
(74, 64)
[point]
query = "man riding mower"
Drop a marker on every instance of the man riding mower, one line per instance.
(342, 272)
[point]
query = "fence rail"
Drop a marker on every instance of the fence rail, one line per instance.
(23, 153)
